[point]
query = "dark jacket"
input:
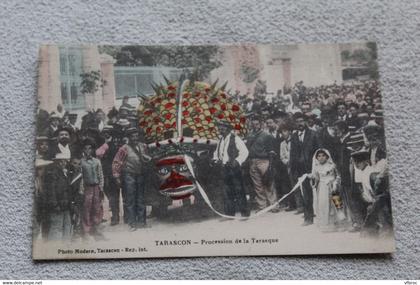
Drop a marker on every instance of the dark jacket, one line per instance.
(330, 143)
(260, 144)
(301, 153)
(343, 162)
(58, 194)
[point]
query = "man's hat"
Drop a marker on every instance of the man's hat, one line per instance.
(112, 113)
(42, 139)
(54, 116)
(355, 142)
(73, 116)
(107, 129)
(123, 122)
(363, 115)
(130, 131)
(224, 123)
(378, 114)
(42, 163)
(60, 129)
(124, 108)
(360, 155)
(61, 156)
(89, 141)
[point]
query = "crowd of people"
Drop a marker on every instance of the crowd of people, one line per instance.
(333, 135)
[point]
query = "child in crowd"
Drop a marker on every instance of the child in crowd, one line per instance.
(328, 207)
(92, 186)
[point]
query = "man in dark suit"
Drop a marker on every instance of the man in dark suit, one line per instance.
(343, 165)
(303, 145)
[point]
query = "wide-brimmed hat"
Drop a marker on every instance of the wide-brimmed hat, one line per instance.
(360, 155)
(42, 139)
(54, 116)
(224, 123)
(42, 163)
(60, 129)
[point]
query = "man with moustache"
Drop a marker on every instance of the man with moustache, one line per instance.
(62, 144)
(231, 152)
(261, 152)
(128, 169)
(304, 142)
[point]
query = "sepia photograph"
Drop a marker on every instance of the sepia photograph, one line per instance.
(218, 150)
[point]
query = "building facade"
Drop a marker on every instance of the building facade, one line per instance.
(279, 66)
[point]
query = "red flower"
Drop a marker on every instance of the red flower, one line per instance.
(186, 95)
(173, 124)
(168, 116)
(185, 103)
(212, 110)
(237, 127)
(156, 119)
(171, 87)
(185, 113)
(215, 100)
(221, 116)
(231, 117)
(169, 105)
(183, 121)
(235, 108)
(143, 124)
(208, 119)
(147, 112)
(168, 126)
(223, 95)
(149, 130)
(242, 120)
(171, 95)
(198, 110)
(223, 107)
(197, 120)
(199, 129)
(158, 129)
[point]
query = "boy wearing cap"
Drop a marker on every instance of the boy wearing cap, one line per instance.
(92, 186)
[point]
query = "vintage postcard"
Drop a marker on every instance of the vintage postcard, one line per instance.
(174, 151)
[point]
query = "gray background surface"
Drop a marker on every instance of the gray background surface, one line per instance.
(24, 25)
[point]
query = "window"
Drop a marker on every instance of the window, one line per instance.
(70, 70)
(132, 81)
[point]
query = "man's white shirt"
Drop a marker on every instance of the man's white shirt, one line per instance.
(64, 149)
(221, 152)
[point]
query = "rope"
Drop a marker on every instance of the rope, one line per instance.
(259, 213)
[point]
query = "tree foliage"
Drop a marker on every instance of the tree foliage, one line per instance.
(199, 60)
(91, 81)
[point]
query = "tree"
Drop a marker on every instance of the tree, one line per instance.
(199, 59)
(91, 81)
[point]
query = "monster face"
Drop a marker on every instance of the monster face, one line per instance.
(175, 179)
